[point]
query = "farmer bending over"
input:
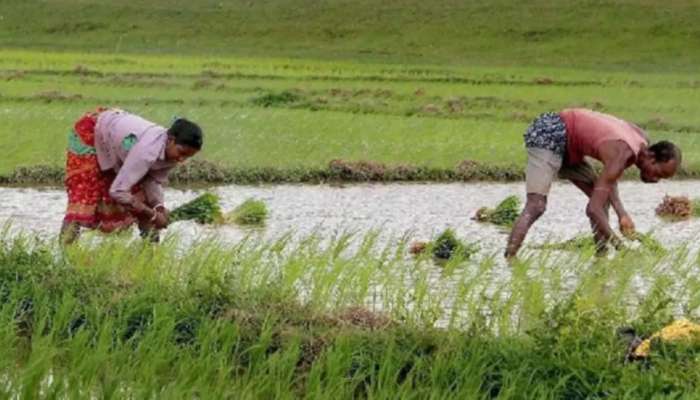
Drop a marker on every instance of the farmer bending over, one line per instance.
(116, 165)
(557, 144)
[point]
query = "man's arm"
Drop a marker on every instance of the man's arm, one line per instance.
(625, 220)
(615, 157)
(617, 202)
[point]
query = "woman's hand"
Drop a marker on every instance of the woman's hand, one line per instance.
(161, 219)
(159, 216)
(142, 210)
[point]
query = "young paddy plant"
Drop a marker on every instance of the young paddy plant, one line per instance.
(251, 212)
(310, 317)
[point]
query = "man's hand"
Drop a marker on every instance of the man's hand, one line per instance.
(617, 243)
(615, 156)
(627, 227)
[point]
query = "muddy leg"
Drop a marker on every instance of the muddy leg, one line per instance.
(587, 188)
(535, 206)
(70, 232)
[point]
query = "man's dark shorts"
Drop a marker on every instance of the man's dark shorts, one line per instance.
(545, 140)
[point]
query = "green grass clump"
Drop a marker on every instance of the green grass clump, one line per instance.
(577, 243)
(695, 204)
(646, 240)
(650, 243)
(204, 209)
(313, 319)
(250, 212)
(505, 213)
(447, 246)
(276, 99)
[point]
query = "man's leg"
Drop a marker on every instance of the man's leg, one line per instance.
(583, 177)
(587, 189)
(542, 167)
(535, 206)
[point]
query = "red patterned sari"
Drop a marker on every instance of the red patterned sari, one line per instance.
(89, 203)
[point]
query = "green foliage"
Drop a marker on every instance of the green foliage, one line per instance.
(695, 204)
(302, 320)
(649, 243)
(646, 241)
(505, 213)
(204, 209)
(250, 212)
(207, 172)
(276, 99)
(447, 246)
(577, 243)
(349, 111)
(656, 37)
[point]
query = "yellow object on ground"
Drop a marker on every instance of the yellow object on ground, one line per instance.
(681, 329)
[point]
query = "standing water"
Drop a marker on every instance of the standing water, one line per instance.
(420, 211)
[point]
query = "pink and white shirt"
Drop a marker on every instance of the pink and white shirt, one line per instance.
(134, 148)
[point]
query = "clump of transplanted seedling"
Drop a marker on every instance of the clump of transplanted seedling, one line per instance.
(647, 242)
(505, 213)
(677, 208)
(250, 212)
(204, 209)
(445, 247)
(576, 243)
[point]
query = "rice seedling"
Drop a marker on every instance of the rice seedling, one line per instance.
(445, 247)
(646, 241)
(505, 213)
(366, 114)
(312, 318)
(250, 212)
(204, 209)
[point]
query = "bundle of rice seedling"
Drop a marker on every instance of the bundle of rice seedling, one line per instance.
(646, 240)
(675, 208)
(204, 209)
(649, 243)
(576, 243)
(250, 212)
(445, 247)
(505, 213)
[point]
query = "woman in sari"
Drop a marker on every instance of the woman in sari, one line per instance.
(117, 164)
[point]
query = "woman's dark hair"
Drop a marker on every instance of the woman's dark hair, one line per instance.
(666, 151)
(186, 133)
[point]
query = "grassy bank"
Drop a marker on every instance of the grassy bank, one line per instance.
(298, 115)
(290, 85)
(200, 172)
(197, 172)
(623, 35)
(320, 319)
